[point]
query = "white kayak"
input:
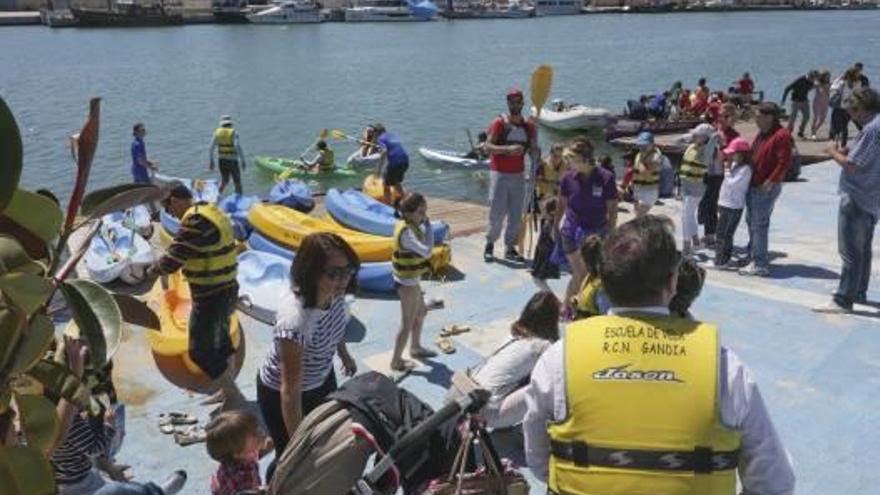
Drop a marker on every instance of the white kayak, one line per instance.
(117, 251)
(574, 117)
(452, 158)
(358, 160)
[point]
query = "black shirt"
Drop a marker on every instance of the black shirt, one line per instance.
(799, 89)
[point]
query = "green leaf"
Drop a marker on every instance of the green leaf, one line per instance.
(97, 316)
(38, 420)
(12, 324)
(24, 471)
(13, 258)
(28, 292)
(136, 312)
(58, 379)
(37, 338)
(103, 201)
(36, 213)
(10, 155)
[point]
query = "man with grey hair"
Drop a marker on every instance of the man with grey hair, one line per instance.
(859, 201)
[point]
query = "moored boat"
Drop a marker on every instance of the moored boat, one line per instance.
(558, 7)
(390, 11)
(628, 127)
(291, 12)
(129, 13)
(563, 117)
(482, 10)
(230, 11)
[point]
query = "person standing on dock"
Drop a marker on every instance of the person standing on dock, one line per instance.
(859, 201)
(647, 165)
(230, 154)
(141, 167)
(800, 101)
(511, 139)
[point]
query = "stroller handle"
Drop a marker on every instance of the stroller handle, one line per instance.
(470, 403)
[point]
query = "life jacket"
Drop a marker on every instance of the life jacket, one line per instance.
(505, 138)
(216, 263)
(407, 264)
(327, 161)
(643, 413)
(692, 167)
(586, 299)
(644, 177)
(225, 137)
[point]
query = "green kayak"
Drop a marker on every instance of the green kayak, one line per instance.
(277, 165)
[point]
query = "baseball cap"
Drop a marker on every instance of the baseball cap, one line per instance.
(225, 120)
(514, 93)
(645, 138)
(738, 145)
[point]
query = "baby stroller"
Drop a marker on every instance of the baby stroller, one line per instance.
(370, 415)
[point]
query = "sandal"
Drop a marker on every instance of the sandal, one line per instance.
(445, 344)
(452, 330)
(189, 436)
(175, 418)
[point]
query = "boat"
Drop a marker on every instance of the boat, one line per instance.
(482, 10)
(356, 159)
(291, 12)
(118, 252)
(289, 227)
(129, 13)
(563, 117)
(278, 165)
(390, 11)
(237, 207)
(623, 127)
(230, 11)
(294, 194)
(558, 7)
(57, 14)
(137, 218)
(357, 211)
(203, 190)
(170, 345)
(441, 157)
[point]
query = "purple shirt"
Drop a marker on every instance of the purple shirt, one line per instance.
(588, 198)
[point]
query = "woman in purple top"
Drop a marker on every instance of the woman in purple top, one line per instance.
(587, 205)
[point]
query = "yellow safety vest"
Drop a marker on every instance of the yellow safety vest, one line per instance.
(225, 137)
(217, 263)
(327, 161)
(548, 185)
(645, 177)
(691, 167)
(643, 414)
(586, 299)
(407, 264)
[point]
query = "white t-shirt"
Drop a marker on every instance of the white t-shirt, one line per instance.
(735, 186)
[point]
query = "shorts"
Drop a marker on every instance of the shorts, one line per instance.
(573, 239)
(646, 194)
(229, 169)
(394, 174)
(209, 343)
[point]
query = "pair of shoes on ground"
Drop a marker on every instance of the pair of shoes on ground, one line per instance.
(510, 255)
(832, 307)
(753, 270)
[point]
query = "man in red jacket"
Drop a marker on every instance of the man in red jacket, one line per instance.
(771, 158)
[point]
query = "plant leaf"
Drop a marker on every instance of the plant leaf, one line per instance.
(86, 144)
(13, 257)
(28, 292)
(103, 201)
(39, 334)
(97, 316)
(58, 379)
(12, 324)
(10, 155)
(38, 420)
(24, 471)
(136, 312)
(36, 213)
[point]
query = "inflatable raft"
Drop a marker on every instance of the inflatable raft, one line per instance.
(356, 210)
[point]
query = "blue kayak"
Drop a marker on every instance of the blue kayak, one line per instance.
(358, 211)
(262, 279)
(373, 277)
(294, 194)
(237, 207)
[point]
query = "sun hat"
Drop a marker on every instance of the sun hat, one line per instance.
(225, 121)
(738, 145)
(645, 138)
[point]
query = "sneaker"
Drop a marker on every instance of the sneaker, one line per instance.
(813, 137)
(801, 135)
(489, 253)
(731, 266)
(831, 307)
(754, 271)
(512, 255)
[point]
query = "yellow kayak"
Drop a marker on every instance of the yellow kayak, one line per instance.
(289, 227)
(374, 187)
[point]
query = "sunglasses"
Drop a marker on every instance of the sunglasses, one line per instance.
(339, 272)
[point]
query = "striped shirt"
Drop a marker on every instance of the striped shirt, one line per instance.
(317, 331)
(863, 185)
(85, 439)
(198, 231)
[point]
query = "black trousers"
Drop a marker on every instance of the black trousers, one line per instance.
(839, 125)
(707, 212)
(209, 343)
(727, 224)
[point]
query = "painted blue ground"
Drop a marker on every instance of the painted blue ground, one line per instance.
(820, 375)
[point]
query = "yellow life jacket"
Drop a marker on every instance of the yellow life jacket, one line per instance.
(586, 299)
(548, 184)
(225, 137)
(327, 161)
(643, 177)
(217, 263)
(643, 414)
(407, 264)
(691, 167)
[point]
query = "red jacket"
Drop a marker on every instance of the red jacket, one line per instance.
(771, 156)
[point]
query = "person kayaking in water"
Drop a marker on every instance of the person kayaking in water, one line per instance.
(324, 161)
(368, 144)
(478, 152)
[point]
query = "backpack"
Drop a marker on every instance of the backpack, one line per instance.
(510, 126)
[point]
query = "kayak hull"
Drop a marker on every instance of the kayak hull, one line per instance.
(294, 194)
(441, 157)
(358, 160)
(237, 207)
(277, 165)
(357, 211)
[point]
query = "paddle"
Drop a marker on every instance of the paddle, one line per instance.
(470, 138)
(339, 134)
(542, 80)
(286, 173)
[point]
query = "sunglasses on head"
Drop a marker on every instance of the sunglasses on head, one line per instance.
(339, 272)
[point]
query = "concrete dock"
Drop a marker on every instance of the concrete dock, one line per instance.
(819, 374)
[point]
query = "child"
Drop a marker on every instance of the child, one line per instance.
(731, 200)
(479, 152)
(234, 439)
(324, 161)
(543, 267)
(693, 170)
(550, 171)
(413, 242)
(690, 283)
(591, 300)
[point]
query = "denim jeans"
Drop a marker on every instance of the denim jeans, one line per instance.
(728, 221)
(855, 233)
(759, 207)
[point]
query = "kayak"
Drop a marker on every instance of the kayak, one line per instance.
(441, 157)
(279, 165)
(136, 218)
(358, 160)
(118, 252)
(203, 190)
(289, 227)
(357, 211)
(374, 187)
(170, 345)
(372, 277)
(237, 207)
(294, 194)
(628, 127)
(262, 278)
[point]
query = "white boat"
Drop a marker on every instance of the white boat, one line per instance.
(480, 10)
(117, 251)
(57, 18)
(558, 7)
(441, 157)
(356, 159)
(296, 12)
(390, 11)
(564, 117)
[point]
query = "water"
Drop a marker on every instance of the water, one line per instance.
(425, 81)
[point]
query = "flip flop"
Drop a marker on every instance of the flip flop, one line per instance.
(445, 344)
(452, 330)
(189, 436)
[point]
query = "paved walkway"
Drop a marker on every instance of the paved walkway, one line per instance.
(820, 375)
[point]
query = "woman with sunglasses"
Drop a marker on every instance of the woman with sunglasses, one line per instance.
(297, 374)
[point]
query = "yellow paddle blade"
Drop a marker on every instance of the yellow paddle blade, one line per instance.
(337, 134)
(323, 134)
(284, 175)
(542, 80)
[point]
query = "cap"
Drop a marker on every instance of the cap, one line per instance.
(225, 120)
(738, 145)
(645, 138)
(514, 93)
(769, 108)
